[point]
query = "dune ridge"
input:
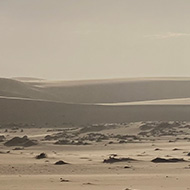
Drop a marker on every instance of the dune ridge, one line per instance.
(113, 90)
(95, 101)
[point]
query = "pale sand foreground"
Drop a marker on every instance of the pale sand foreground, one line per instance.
(28, 174)
(102, 182)
(20, 170)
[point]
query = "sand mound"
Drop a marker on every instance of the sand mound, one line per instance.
(20, 141)
(88, 102)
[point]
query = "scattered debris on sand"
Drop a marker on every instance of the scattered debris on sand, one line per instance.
(158, 129)
(70, 142)
(164, 160)
(41, 156)
(18, 148)
(20, 141)
(64, 180)
(112, 159)
(88, 183)
(98, 127)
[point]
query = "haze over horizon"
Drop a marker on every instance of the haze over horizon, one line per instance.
(83, 39)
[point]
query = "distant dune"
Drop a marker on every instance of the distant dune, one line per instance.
(114, 90)
(98, 101)
(15, 88)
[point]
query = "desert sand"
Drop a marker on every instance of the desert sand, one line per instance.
(125, 134)
(85, 149)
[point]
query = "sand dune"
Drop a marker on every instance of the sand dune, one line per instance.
(44, 113)
(14, 88)
(114, 90)
(95, 101)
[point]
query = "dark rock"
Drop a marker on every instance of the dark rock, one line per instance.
(41, 156)
(188, 154)
(64, 180)
(60, 162)
(164, 160)
(175, 149)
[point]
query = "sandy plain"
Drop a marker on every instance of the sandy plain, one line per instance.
(19, 169)
(129, 122)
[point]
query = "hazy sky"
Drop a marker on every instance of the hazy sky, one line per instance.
(88, 39)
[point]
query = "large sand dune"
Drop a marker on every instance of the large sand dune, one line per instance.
(98, 101)
(111, 91)
(45, 113)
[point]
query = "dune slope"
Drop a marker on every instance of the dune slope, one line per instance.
(115, 90)
(14, 88)
(44, 103)
(44, 113)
